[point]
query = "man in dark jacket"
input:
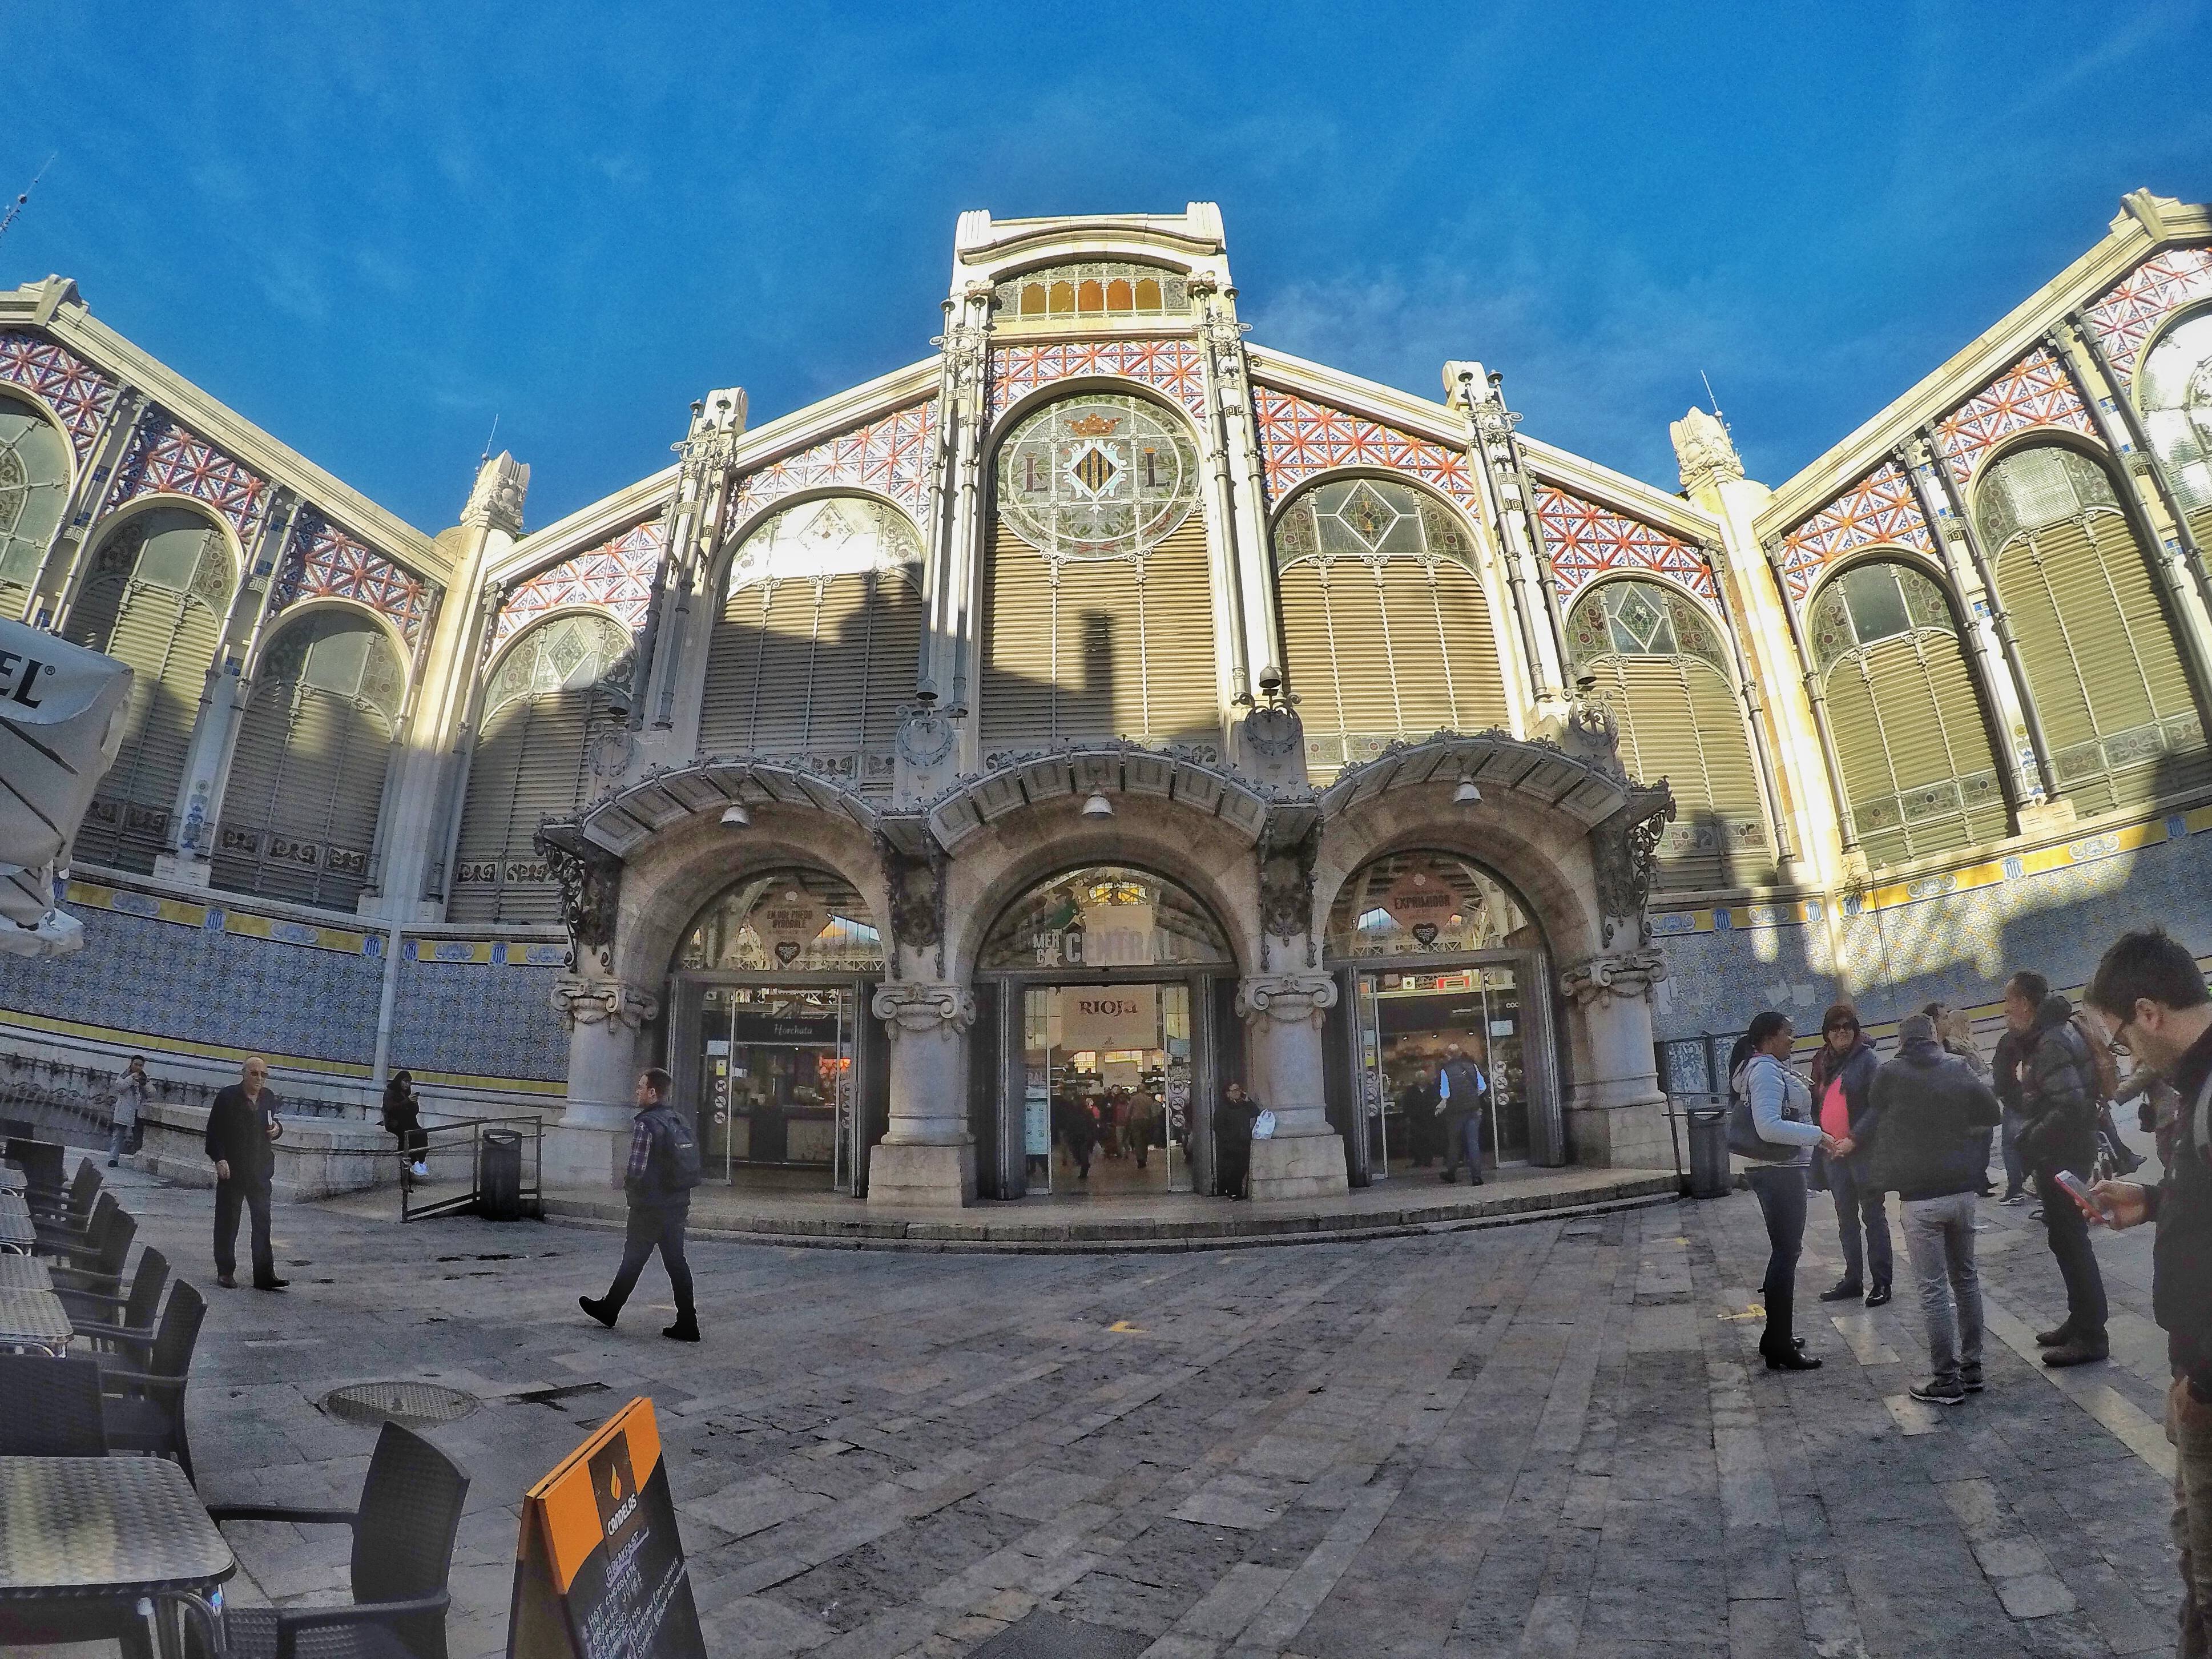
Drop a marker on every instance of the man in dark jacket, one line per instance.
(2004, 1079)
(664, 1167)
(1930, 1111)
(2150, 994)
(239, 1129)
(1463, 1089)
(2058, 1098)
(1845, 1065)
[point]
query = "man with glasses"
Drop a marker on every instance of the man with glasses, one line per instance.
(2151, 994)
(242, 1128)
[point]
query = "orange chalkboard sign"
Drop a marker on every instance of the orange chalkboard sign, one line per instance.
(599, 1571)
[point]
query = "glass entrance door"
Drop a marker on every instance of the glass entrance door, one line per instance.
(776, 1064)
(1409, 1025)
(1105, 1083)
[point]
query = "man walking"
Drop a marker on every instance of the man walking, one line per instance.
(239, 1130)
(1930, 1112)
(2058, 1097)
(2151, 995)
(1461, 1086)
(664, 1167)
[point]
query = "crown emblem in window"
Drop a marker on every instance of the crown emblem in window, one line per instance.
(1092, 426)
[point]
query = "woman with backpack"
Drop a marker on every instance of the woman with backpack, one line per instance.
(402, 1116)
(1770, 1123)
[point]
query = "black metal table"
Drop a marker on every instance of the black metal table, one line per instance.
(24, 1273)
(105, 1536)
(17, 1235)
(34, 1319)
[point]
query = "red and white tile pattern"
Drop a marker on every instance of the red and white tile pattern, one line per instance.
(1586, 541)
(1168, 366)
(2124, 317)
(617, 576)
(165, 459)
(76, 391)
(890, 456)
(2036, 391)
(322, 562)
(1300, 439)
(1879, 507)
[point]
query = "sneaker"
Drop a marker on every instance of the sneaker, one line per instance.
(1938, 1393)
(2013, 1198)
(2036, 1214)
(423, 1170)
(1971, 1381)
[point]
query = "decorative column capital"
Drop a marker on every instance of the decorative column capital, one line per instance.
(602, 1002)
(911, 1010)
(1293, 999)
(1629, 974)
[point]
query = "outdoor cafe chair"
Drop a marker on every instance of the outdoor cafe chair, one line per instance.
(44, 1164)
(145, 1409)
(71, 1208)
(54, 1407)
(402, 1556)
(97, 1264)
(102, 1319)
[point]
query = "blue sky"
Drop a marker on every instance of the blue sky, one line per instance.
(371, 229)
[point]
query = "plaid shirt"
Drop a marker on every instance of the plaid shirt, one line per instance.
(641, 1148)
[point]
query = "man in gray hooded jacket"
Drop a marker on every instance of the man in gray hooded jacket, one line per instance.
(1931, 1110)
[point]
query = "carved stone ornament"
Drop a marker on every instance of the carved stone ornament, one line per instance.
(912, 1009)
(1592, 736)
(1274, 731)
(502, 484)
(1704, 451)
(1630, 974)
(602, 1002)
(590, 884)
(925, 736)
(1294, 999)
(1286, 888)
(917, 894)
(1622, 849)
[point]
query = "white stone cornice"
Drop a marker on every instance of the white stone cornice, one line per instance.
(908, 1009)
(1292, 999)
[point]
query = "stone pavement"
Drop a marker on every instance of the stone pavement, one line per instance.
(1548, 1438)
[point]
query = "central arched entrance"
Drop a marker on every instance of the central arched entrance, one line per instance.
(770, 1033)
(1434, 953)
(1103, 988)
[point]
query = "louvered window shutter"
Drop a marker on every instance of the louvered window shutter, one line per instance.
(1912, 748)
(168, 639)
(1679, 721)
(532, 762)
(894, 658)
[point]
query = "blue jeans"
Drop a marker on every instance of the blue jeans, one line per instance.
(1859, 1208)
(1464, 1144)
(118, 1140)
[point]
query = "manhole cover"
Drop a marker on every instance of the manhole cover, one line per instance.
(410, 1404)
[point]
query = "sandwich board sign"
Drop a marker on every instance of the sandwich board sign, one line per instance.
(599, 1571)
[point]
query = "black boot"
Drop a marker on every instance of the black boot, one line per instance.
(598, 1310)
(686, 1328)
(2059, 1335)
(1779, 1346)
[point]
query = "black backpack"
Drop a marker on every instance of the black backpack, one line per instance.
(679, 1148)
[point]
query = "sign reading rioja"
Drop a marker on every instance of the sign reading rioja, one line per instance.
(600, 1573)
(1110, 1018)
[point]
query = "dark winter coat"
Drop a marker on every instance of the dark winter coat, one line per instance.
(2181, 1254)
(2058, 1093)
(1858, 1068)
(1930, 1112)
(238, 1133)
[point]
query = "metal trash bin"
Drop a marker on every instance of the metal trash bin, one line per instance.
(1708, 1152)
(499, 1176)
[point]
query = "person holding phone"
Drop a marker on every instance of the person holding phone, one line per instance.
(2058, 1095)
(2150, 994)
(1782, 1115)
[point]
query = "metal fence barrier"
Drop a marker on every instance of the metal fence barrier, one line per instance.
(513, 1187)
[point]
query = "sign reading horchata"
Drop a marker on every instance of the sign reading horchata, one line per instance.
(600, 1573)
(1109, 1020)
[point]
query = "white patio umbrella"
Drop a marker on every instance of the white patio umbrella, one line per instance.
(62, 711)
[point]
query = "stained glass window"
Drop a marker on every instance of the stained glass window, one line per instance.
(1875, 602)
(35, 480)
(1371, 519)
(1098, 289)
(1097, 477)
(2175, 389)
(1641, 619)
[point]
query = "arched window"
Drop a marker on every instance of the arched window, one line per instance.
(2174, 389)
(1105, 917)
(1111, 289)
(818, 641)
(308, 771)
(1100, 609)
(1385, 621)
(561, 689)
(1421, 903)
(1908, 732)
(159, 590)
(34, 481)
(2095, 639)
(1661, 667)
(797, 919)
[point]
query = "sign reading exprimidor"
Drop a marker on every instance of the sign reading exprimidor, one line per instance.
(599, 1571)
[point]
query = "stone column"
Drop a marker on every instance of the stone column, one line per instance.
(1282, 1015)
(1616, 1111)
(926, 1158)
(588, 1146)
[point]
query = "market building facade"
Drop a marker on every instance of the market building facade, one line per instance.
(1109, 701)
